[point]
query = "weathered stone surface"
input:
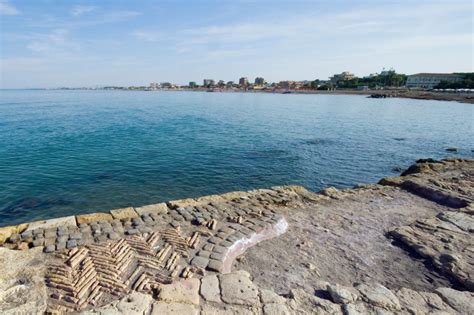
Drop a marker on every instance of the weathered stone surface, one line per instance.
(159, 208)
(302, 302)
(416, 302)
(123, 213)
(443, 240)
(133, 304)
(200, 262)
(340, 294)
(378, 295)
(184, 291)
(210, 290)
(226, 309)
(173, 309)
(7, 231)
(93, 217)
(275, 309)
(461, 301)
(237, 288)
(268, 296)
(52, 223)
(22, 287)
(366, 309)
(181, 203)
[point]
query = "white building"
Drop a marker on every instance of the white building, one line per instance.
(430, 80)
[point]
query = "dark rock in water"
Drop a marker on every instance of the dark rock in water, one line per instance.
(429, 160)
(452, 150)
(397, 169)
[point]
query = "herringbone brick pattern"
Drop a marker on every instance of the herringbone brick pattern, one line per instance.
(98, 273)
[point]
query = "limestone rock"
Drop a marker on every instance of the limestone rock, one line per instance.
(443, 240)
(7, 231)
(364, 309)
(93, 217)
(380, 296)
(184, 291)
(123, 213)
(173, 309)
(340, 294)
(225, 309)
(237, 288)
(268, 296)
(416, 302)
(159, 208)
(302, 302)
(133, 304)
(461, 301)
(22, 286)
(52, 223)
(181, 203)
(275, 309)
(210, 288)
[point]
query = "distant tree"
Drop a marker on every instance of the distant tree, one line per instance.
(314, 84)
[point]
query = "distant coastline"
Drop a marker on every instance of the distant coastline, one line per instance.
(461, 96)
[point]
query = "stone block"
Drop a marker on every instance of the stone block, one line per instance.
(123, 213)
(215, 265)
(159, 208)
(210, 289)
(93, 217)
(7, 231)
(184, 291)
(200, 262)
(53, 223)
(237, 288)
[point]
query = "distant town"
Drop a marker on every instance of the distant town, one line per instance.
(385, 80)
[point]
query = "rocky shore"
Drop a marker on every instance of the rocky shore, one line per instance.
(402, 246)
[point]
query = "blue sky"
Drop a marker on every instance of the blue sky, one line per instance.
(87, 43)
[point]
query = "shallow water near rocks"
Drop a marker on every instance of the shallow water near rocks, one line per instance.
(71, 152)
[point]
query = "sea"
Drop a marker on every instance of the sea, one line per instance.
(67, 152)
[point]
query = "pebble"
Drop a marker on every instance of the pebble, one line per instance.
(38, 242)
(75, 236)
(49, 248)
(60, 245)
(113, 236)
(132, 232)
(71, 244)
(200, 262)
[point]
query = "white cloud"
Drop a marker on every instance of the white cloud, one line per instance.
(81, 9)
(7, 9)
(54, 44)
(148, 36)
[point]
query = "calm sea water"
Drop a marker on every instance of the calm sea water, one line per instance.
(70, 152)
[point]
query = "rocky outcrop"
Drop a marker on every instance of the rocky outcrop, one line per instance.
(194, 256)
(445, 241)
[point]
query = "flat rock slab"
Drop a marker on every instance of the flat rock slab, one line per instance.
(174, 309)
(52, 223)
(123, 213)
(443, 240)
(463, 302)
(237, 288)
(184, 291)
(380, 296)
(210, 290)
(159, 208)
(93, 217)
